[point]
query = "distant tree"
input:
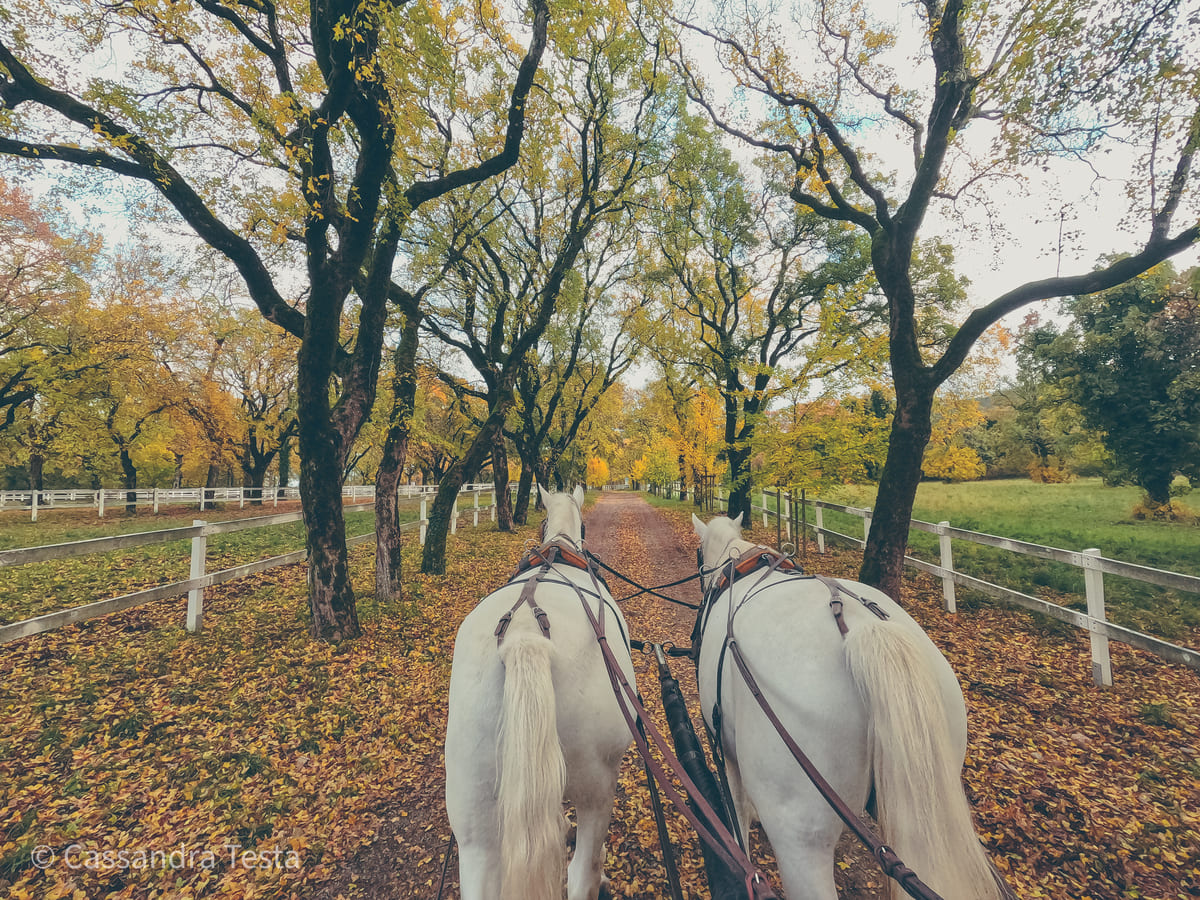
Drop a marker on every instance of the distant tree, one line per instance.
(1131, 360)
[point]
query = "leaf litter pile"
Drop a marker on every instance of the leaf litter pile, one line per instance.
(139, 761)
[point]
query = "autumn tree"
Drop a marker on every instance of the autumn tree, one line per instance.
(46, 348)
(1074, 79)
(501, 294)
(273, 130)
(753, 275)
(580, 359)
(256, 367)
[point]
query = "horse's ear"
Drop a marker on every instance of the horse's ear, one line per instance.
(699, 526)
(738, 520)
(577, 494)
(544, 494)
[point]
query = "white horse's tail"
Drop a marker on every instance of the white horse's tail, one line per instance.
(921, 808)
(533, 773)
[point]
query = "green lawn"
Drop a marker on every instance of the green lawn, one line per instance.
(1073, 516)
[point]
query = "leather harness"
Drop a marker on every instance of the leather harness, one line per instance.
(540, 561)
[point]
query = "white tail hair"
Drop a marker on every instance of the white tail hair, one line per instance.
(533, 773)
(922, 810)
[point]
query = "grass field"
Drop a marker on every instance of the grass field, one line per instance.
(1073, 516)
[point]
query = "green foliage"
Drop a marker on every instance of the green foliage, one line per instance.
(1131, 362)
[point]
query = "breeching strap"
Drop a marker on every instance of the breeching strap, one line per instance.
(891, 864)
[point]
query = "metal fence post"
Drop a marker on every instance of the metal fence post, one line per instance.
(787, 519)
(424, 520)
(947, 557)
(1093, 580)
(195, 607)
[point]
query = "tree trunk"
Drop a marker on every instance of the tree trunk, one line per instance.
(388, 535)
(129, 471)
(524, 488)
(433, 561)
(285, 462)
(330, 595)
(740, 487)
(887, 542)
(177, 481)
(1157, 486)
(504, 511)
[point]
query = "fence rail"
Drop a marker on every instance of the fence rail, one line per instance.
(155, 498)
(197, 533)
(1094, 568)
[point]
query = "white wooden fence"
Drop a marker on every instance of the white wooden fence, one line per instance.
(155, 498)
(1094, 567)
(198, 533)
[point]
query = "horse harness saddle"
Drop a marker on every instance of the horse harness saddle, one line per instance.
(541, 559)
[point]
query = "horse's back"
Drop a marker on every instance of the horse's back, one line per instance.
(590, 724)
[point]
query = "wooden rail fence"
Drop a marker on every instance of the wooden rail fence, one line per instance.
(198, 533)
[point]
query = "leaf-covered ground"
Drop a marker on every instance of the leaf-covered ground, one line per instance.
(322, 764)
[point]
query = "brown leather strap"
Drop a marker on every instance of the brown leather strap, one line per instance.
(891, 864)
(528, 590)
(712, 831)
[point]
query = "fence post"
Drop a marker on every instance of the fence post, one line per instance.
(787, 520)
(156, 501)
(866, 526)
(424, 519)
(454, 518)
(475, 512)
(820, 527)
(33, 505)
(1093, 580)
(764, 506)
(804, 521)
(495, 503)
(101, 492)
(195, 607)
(949, 602)
(242, 497)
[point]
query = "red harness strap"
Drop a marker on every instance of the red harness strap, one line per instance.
(548, 554)
(763, 556)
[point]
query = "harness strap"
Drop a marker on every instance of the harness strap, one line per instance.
(711, 830)
(891, 864)
(528, 590)
(837, 590)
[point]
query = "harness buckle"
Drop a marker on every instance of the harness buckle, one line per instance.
(502, 626)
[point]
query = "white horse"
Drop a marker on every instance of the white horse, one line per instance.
(878, 710)
(532, 721)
